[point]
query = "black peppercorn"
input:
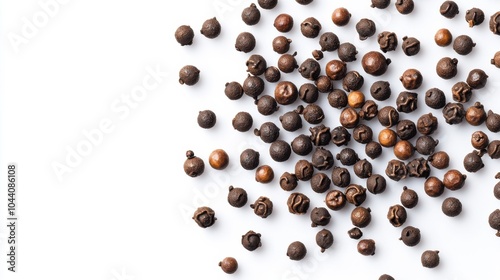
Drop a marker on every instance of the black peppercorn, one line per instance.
(347, 52)
(355, 194)
(461, 92)
(477, 79)
(310, 69)
(396, 170)
(256, 65)
(237, 197)
(474, 16)
(298, 203)
(291, 121)
(446, 67)
(317, 54)
(319, 216)
(304, 2)
(340, 136)
(204, 216)
(189, 75)
(494, 149)
(337, 98)
(433, 187)
(324, 84)
(453, 113)
(496, 188)
(448, 9)
(324, 239)
(355, 233)
(184, 35)
(312, 113)
(369, 110)
(335, 200)
(268, 132)
(380, 4)
(363, 169)
(281, 44)
(249, 159)
(347, 156)
(435, 98)
(362, 134)
(404, 7)
(425, 145)
(397, 215)
(493, 121)
(406, 102)
(308, 93)
(366, 247)
(262, 207)
(266, 105)
(430, 259)
(388, 41)
(304, 170)
(410, 236)
(329, 42)
(206, 119)
(419, 167)
(310, 27)
(494, 221)
(296, 251)
(233, 90)
(479, 140)
(242, 122)
(193, 166)
(365, 28)
(267, 4)
(285, 93)
(439, 160)
(406, 129)
(251, 15)
(411, 46)
(251, 240)
(376, 184)
(361, 217)
(245, 42)
(463, 44)
(272, 74)
(409, 198)
(211, 28)
(288, 181)
(322, 159)
(427, 124)
(375, 63)
(352, 81)
(495, 23)
(341, 177)
(253, 86)
(320, 182)
(451, 207)
(302, 145)
(388, 116)
(341, 16)
(280, 150)
(287, 63)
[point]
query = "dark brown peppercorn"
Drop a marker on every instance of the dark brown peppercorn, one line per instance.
(218, 159)
(366, 247)
(322, 159)
(266, 105)
(251, 240)
(448, 9)
(310, 69)
(211, 28)
(387, 137)
(304, 2)
(385, 277)
(419, 168)
(249, 159)
(337, 98)
(433, 187)
(317, 54)
(349, 118)
(435, 98)
(494, 149)
(403, 150)
(262, 207)
(288, 181)
(189, 75)
(496, 59)
(336, 69)
(347, 52)
(267, 4)
(411, 79)
(237, 197)
(454, 179)
(298, 203)
(272, 74)
(404, 7)
(356, 99)
(302, 145)
(347, 156)
(233, 90)
(409, 198)
(324, 239)
(291, 121)
(304, 170)
(264, 174)
(479, 140)
(475, 114)
(494, 221)
(285, 93)
(443, 37)
(388, 116)
(453, 113)
(365, 28)
(451, 207)
(388, 41)
(206, 119)
(369, 110)
(397, 215)
(463, 44)
(496, 188)
(461, 92)
(184, 35)
(245, 42)
(341, 16)
(335, 200)
(380, 4)
(355, 194)
(363, 169)
(352, 81)
(287, 63)
(253, 86)
(268, 132)
(410, 236)
(493, 121)
(320, 216)
(281, 44)
(439, 160)
(204, 216)
(320, 182)
(477, 79)
(280, 151)
(310, 27)
(446, 67)
(396, 170)
(361, 217)
(411, 46)
(406, 129)
(362, 134)
(229, 265)
(340, 136)
(375, 63)
(427, 124)
(341, 177)
(355, 233)
(296, 251)
(324, 84)
(495, 23)
(474, 17)
(312, 113)
(329, 42)
(308, 93)
(406, 102)
(425, 145)
(376, 184)
(430, 259)
(251, 15)
(193, 166)
(283, 23)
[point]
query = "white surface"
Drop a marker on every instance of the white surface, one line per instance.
(124, 211)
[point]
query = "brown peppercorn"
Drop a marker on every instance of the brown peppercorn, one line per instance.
(296, 251)
(272, 74)
(406, 129)
(341, 16)
(229, 265)
(322, 159)
(347, 52)
(285, 93)
(479, 140)
(267, 4)
(189, 75)
(477, 79)
(495, 23)
(363, 169)
(304, 170)
(184, 35)
(356, 99)
(251, 15)
(336, 69)
(461, 92)
(268, 132)
(362, 134)
(320, 182)
(253, 86)
(388, 41)
(245, 42)
(249, 159)
(211, 28)
(193, 166)
(288, 181)
(310, 69)
(404, 7)
(361, 217)
(355, 233)
(264, 174)
(324, 84)
(439, 160)
(310, 27)
(454, 179)
(341, 177)
(365, 28)
(376, 184)
(427, 124)
(324, 239)
(410, 236)
(396, 170)
(347, 156)
(443, 37)
(355, 194)
(291, 121)
(340, 136)
(494, 221)
(251, 240)
(283, 23)
(237, 197)
(352, 81)
(397, 215)
(453, 113)
(403, 150)
(308, 93)
(463, 44)
(287, 63)
(411, 79)
(218, 159)
(369, 110)
(312, 113)
(317, 54)
(473, 161)
(387, 137)
(266, 105)
(433, 187)
(475, 114)
(418, 167)
(474, 16)
(337, 98)
(375, 63)
(407, 102)
(493, 121)
(302, 145)
(388, 116)
(410, 46)
(446, 67)
(320, 216)
(496, 60)
(366, 247)
(430, 259)
(233, 90)
(335, 200)
(494, 149)
(448, 9)
(380, 90)
(298, 203)
(262, 207)
(256, 65)
(425, 145)
(451, 207)
(329, 42)
(281, 44)
(349, 117)
(409, 198)
(204, 216)
(435, 98)
(242, 122)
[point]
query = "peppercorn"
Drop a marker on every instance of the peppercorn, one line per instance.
(189, 75)
(387, 137)
(324, 84)
(355, 194)
(406, 129)
(233, 90)
(494, 149)
(298, 203)
(435, 98)
(349, 117)
(251, 240)
(410, 236)
(262, 207)
(403, 150)
(319, 216)
(496, 59)
(463, 44)
(251, 15)
(291, 121)
(433, 187)
(322, 159)
(397, 215)
(443, 37)
(310, 69)
(308, 93)
(336, 69)
(418, 167)
(341, 177)
(347, 156)
(406, 102)
(477, 79)
(317, 54)
(369, 110)
(361, 217)
(493, 121)
(453, 113)
(474, 16)
(475, 114)
(268, 132)
(363, 169)
(204, 216)
(320, 182)
(439, 160)
(280, 150)
(340, 136)
(296, 251)
(329, 42)
(352, 81)
(337, 98)
(454, 179)
(266, 105)
(253, 86)
(366, 247)
(396, 170)
(288, 181)
(362, 134)
(425, 145)
(388, 41)
(324, 239)
(365, 28)
(304, 170)
(376, 184)
(264, 174)
(495, 23)
(193, 166)
(380, 4)
(335, 200)
(302, 145)
(211, 28)
(287, 63)
(448, 9)
(409, 198)
(237, 197)
(184, 35)
(461, 92)
(404, 7)
(312, 113)
(355, 99)
(411, 46)
(388, 116)
(385, 277)
(281, 44)
(451, 207)
(310, 27)
(446, 67)
(283, 23)
(430, 259)
(206, 119)
(285, 93)
(411, 79)
(218, 159)
(347, 52)
(355, 233)
(245, 42)
(267, 4)
(272, 74)
(249, 159)
(494, 221)
(341, 16)
(427, 124)
(375, 63)
(479, 140)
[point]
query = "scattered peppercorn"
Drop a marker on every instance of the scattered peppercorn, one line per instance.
(433, 187)
(296, 251)
(245, 42)
(410, 236)
(454, 179)
(430, 259)
(264, 174)
(320, 216)
(397, 215)
(375, 63)
(262, 207)
(288, 181)
(249, 159)
(218, 159)
(237, 197)
(193, 166)
(229, 265)
(446, 67)
(302, 145)
(283, 23)
(189, 75)
(443, 37)
(341, 16)
(439, 160)
(448, 9)
(411, 46)
(324, 239)
(404, 6)
(310, 27)
(474, 16)
(341, 177)
(204, 216)
(251, 15)
(184, 35)
(211, 28)
(366, 247)
(463, 45)
(251, 240)
(365, 28)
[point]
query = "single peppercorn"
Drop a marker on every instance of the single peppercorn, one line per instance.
(419, 168)
(233, 90)
(411, 79)
(249, 159)
(287, 63)
(264, 174)
(211, 28)
(388, 116)
(362, 134)
(335, 200)
(435, 98)
(193, 166)
(304, 170)
(347, 52)
(463, 45)
(310, 27)
(461, 92)
(291, 121)
(336, 69)
(404, 150)
(430, 259)
(324, 239)
(340, 136)
(361, 216)
(451, 207)
(253, 86)
(296, 251)
(448, 9)
(453, 113)
(425, 145)
(479, 140)
(366, 247)
(446, 67)
(387, 137)
(369, 110)
(251, 240)
(337, 98)
(320, 182)
(304, 2)
(229, 265)
(262, 207)
(496, 60)
(317, 54)
(283, 23)
(355, 99)
(189, 75)
(477, 79)
(319, 216)
(385, 277)
(310, 69)
(218, 159)
(496, 188)
(397, 215)
(433, 186)
(494, 221)
(376, 184)
(298, 203)
(242, 121)
(365, 28)
(349, 117)
(272, 74)
(410, 236)
(475, 115)
(312, 113)
(493, 149)
(308, 93)
(302, 145)
(329, 42)
(380, 4)
(266, 105)
(237, 197)
(396, 170)
(288, 181)
(184, 35)
(322, 159)
(355, 194)
(341, 16)
(256, 64)
(245, 42)
(493, 121)
(285, 93)
(363, 169)
(347, 156)
(495, 23)
(267, 4)
(454, 179)
(407, 102)
(409, 198)
(341, 177)
(268, 132)
(280, 150)
(375, 63)
(410, 46)
(474, 16)
(204, 216)
(439, 160)
(353, 81)
(406, 129)
(388, 41)
(427, 124)
(355, 233)
(443, 37)
(404, 7)
(281, 44)
(206, 119)
(251, 15)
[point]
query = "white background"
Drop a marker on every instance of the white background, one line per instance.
(123, 210)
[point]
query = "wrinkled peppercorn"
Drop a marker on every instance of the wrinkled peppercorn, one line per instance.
(433, 187)
(304, 170)
(355, 233)
(439, 160)
(288, 181)
(479, 140)
(411, 79)
(461, 92)
(249, 159)
(237, 197)
(427, 124)
(285, 93)
(251, 240)
(340, 136)
(419, 168)
(363, 169)
(376, 184)
(302, 145)
(298, 203)
(388, 116)
(320, 182)
(352, 81)
(355, 194)
(308, 93)
(204, 216)
(475, 114)
(262, 207)
(448, 9)
(406, 102)
(256, 64)
(362, 134)
(495, 23)
(474, 16)
(435, 98)
(453, 113)
(369, 110)
(335, 200)
(211, 28)
(404, 7)
(322, 159)
(396, 170)
(380, 4)
(388, 41)
(406, 129)
(397, 215)
(341, 177)
(319, 216)
(411, 46)
(365, 28)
